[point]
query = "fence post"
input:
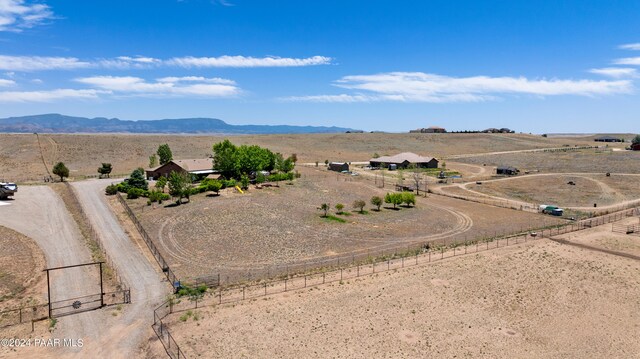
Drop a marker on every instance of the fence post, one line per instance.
(265, 288)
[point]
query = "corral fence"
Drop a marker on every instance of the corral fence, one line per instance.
(378, 263)
(626, 229)
(171, 277)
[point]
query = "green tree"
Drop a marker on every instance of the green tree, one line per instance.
(326, 162)
(359, 204)
(105, 170)
(393, 198)
(408, 198)
(260, 177)
(636, 140)
(325, 207)
(137, 180)
(376, 201)
(61, 170)
(225, 156)
(339, 208)
(178, 185)
(164, 153)
(161, 183)
(153, 161)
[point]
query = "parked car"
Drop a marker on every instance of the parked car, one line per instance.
(7, 189)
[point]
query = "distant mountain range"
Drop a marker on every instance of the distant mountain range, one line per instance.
(56, 123)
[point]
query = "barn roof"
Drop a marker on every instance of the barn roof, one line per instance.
(402, 157)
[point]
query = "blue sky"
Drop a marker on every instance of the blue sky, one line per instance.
(533, 66)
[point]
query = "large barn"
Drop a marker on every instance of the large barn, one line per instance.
(404, 160)
(199, 168)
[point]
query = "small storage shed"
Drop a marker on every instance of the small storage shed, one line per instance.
(338, 166)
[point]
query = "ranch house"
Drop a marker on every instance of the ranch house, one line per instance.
(198, 168)
(404, 160)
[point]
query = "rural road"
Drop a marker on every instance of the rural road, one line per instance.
(39, 213)
(147, 287)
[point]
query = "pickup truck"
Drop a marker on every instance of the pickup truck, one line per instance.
(7, 189)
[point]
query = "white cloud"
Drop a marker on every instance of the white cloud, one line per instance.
(127, 62)
(128, 85)
(215, 80)
(6, 83)
(635, 46)
(615, 72)
(48, 96)
(628, 61)
(37, 63)
(342, 98)
(423, 87)
(17, 15)
(40, 63)
(242, 61)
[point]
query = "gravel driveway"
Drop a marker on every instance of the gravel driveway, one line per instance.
(147, 287)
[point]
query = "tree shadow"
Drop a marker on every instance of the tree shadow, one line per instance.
(392, 208)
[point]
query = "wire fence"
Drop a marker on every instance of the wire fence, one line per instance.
(626, 229)
(171, 277)
(420, 256)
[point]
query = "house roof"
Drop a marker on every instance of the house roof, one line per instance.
(197, 166)
(193, 165)
(402, 157)
(337, 163)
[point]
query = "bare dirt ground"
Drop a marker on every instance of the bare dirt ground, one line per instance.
(264, 230)
(586, 161)
(554, 189)
(83, 154)
(540, 299)
(22, 281)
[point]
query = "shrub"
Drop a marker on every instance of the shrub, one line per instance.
(339, 208)
(134, 193)
(229, 183)
(111, 189)
(244, 181)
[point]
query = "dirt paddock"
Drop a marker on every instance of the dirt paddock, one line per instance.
(266, 230)
(539, 299)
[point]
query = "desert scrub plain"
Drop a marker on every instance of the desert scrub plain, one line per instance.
(21, 265)
(83, 153)
(538, 299)
(265, 230)
(583, 161)
(554, 189)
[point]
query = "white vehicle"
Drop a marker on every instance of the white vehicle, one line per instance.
(7, 189)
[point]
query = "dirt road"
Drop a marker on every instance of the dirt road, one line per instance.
(148, 289)
(40, 214)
